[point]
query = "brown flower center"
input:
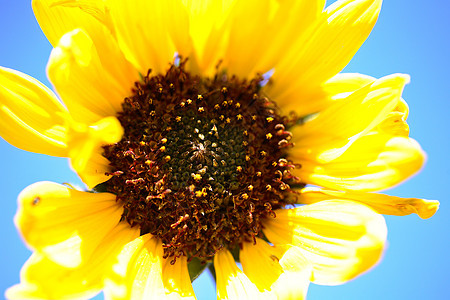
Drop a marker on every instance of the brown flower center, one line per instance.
(202, 162)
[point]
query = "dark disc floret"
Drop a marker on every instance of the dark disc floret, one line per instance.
(202, 162)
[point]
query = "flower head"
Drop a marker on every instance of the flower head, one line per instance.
(197, 133)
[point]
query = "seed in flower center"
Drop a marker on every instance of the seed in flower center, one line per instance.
(202, 161)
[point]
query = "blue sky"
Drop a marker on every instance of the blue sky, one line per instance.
(410, 37)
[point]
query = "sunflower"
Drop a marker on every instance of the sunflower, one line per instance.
(207, 133)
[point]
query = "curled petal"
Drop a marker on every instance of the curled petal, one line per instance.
(86, 148)
(90, 85)
(395, 121)
(383, 204)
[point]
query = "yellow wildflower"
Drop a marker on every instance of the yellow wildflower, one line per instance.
(196, 126)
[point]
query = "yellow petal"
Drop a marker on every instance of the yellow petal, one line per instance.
(137, 273)
(85, 143)
(260, 263)
(284, 270)
(334, 130)
(373, 162)
(287, 22)
(341, 239)
(325, 49)
(95, 8)
(99, 49)
(383, 204)
(94, 171)
(310, 102)
(395, 124)
(31, 117)
(343, 84)
(237, 61)
(208, 23)
(232, 283)
(220, 30)
(151, 32)
(318, 99)
(57, 17)
(293, 283)
(395, 121)
(41, 278)
(83, 74)
(64, 224)
(176, 279)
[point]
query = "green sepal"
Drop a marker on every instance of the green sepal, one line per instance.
(195, 268)
(100, 188)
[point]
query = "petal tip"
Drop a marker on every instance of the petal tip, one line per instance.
(428, 210)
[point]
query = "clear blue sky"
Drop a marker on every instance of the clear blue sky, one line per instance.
(411, 36)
